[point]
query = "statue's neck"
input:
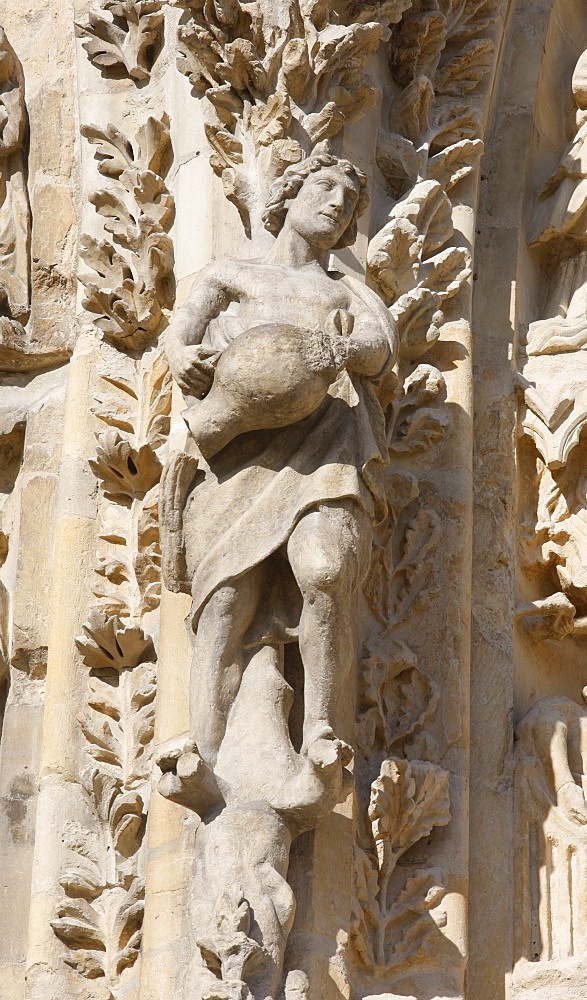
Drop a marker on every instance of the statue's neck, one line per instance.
(293, 250)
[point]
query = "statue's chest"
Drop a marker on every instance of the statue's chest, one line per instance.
(301, 300)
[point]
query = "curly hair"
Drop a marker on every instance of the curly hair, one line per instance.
(287, 186)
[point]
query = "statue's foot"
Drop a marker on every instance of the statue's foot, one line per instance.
(186, 778)
(324, 749)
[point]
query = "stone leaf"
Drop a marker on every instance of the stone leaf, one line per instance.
(114, 151)
(110, 643)
(417, 43)
(398, 160)
(409, 922)
(419, 321)
(465, 71)
(125, 472)
(130, 569)
(408, 799)
(385, 11)
(78, 927)
(395, 699)
(421, 430)
(412, 110)
(136, 268)
(124, 35)
(269, 122)
(451, 164)
(468, 18)
(417, 226)
(103, 939)
(139, 405)
(228, 950)
(118, 727)
(365, 919)
(414, 424)
(451, 121)
(413, 569)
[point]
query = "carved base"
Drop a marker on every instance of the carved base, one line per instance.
(258, 797)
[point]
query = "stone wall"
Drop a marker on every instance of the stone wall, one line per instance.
(292, 329)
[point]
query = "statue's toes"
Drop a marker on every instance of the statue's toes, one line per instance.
(167, 756)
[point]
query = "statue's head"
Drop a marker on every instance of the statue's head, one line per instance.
(322, 198)
(297, 985)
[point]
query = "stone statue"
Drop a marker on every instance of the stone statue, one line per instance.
(551, 811)
(14, 203)
(560, 223)
(281, 362)
(289, 505)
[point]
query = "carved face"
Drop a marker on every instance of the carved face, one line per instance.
(323, 207)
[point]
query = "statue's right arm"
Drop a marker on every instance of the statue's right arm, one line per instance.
(192, 365)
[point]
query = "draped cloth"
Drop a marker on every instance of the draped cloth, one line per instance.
(249, 498)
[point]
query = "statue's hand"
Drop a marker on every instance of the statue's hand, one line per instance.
(193, 368)
(571, 800)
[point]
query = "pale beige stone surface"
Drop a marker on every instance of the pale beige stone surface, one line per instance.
(259, 738)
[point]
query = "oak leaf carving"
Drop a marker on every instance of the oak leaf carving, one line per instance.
(124, 35)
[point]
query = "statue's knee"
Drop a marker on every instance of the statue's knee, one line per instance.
(322, 573)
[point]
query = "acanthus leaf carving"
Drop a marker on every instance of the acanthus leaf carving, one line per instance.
(124, 35)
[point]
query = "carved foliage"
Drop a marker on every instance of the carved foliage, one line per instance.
(412, 272)
(392, 911)
(395, 912)
(408, 799)
(438, 56)
(127, 465)
(101, 919)
(279, 80)
(15, 213)
(230, 952)
(124, 35)
(134, 287)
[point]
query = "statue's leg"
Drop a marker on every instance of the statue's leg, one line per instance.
(329, 553)
(218, 659)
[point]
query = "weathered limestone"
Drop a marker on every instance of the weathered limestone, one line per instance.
(292, 588)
